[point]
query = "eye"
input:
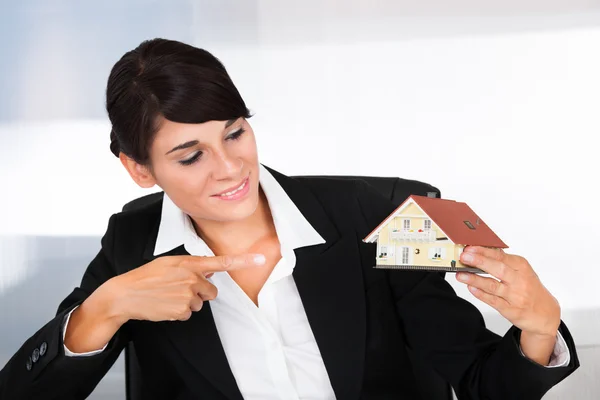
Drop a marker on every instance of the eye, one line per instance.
(236, 135)
(192, 159)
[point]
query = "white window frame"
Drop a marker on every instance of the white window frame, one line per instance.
(434, 250)
(405, 222)
(384, 249)
(405, 255)
(425, 221)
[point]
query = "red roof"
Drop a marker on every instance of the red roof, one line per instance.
(453, 218)
(456, 220)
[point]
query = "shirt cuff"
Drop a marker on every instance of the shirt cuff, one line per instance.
(68, 352)
(561, 357)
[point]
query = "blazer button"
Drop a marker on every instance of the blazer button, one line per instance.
(43, 348)
(35, 356)
(29, 364)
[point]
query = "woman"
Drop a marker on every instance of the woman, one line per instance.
(242, 282)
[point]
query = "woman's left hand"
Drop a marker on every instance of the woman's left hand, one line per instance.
(517, 293)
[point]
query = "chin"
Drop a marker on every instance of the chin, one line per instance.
(237, 211)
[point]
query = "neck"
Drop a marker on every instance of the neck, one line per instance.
(237, 237)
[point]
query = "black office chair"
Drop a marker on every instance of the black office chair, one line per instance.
(431, 385)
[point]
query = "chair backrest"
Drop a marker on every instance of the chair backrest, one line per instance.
(431, 385)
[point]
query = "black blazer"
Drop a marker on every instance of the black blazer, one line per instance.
(362, 318)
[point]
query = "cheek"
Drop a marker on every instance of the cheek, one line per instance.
(188, 184)
(194, 183)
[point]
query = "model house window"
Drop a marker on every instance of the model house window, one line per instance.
(406, 224)
(437, 253)
(405, 253)
(383, 251)
(427, 224)
(469, 224)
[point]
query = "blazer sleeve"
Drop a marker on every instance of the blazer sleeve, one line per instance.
(450, 334)
(49, 373)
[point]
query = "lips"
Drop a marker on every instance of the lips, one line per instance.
(231, 189)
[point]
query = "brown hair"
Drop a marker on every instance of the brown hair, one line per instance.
(171, 80)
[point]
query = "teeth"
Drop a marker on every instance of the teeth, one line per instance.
(234, 191)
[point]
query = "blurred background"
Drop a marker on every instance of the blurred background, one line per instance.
(496, 103)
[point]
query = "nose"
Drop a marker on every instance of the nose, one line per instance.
(228, 167)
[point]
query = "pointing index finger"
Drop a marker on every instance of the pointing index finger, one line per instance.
(202, 265)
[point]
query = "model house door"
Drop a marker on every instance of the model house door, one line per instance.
(404, 256)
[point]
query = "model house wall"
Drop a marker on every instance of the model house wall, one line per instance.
(411, 238)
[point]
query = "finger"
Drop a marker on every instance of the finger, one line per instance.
(492, 266)
(494, 301)
(206, 290)
(513, 261)
(196, 303)
(201, 265)
(183, 315)
(488, 285)
(496, 254)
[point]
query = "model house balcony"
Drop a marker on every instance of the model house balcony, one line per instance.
(414, 234)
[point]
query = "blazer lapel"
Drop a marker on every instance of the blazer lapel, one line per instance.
(197, 340)
(330, 287)
(330, 283)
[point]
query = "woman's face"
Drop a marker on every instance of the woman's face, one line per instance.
(196, 163)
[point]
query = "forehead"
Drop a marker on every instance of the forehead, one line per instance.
(170, 132)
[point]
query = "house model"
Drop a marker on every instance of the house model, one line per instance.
(427, 233)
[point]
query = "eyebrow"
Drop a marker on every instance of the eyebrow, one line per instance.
(182, 146)
(193, 143)
(230, 122)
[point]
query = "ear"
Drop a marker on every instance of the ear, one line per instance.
(141, 174)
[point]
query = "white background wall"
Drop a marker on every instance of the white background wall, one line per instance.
(495, 104)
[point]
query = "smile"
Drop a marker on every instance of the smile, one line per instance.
(242, 186)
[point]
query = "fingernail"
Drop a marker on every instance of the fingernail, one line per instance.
(472, 289)
(259, 259)
(467, 257)
(462, 276)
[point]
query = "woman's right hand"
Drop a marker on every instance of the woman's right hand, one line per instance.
(165, 289)
(171, 288)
